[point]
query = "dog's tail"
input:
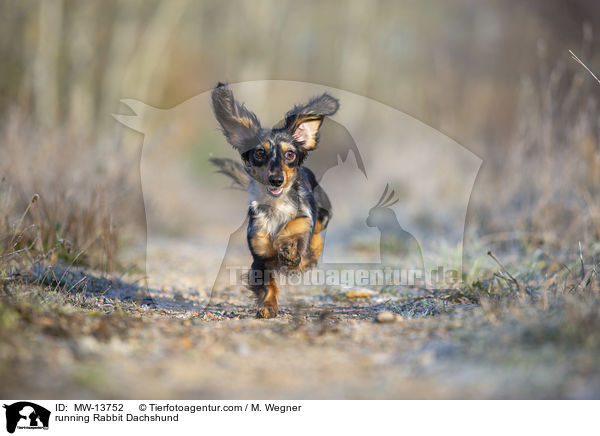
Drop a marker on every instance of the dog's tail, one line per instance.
(233, 169)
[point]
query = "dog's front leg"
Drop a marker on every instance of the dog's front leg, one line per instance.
(261, 280)
(292, 242)
(262, 283)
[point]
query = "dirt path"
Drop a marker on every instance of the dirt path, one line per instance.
(118, 340)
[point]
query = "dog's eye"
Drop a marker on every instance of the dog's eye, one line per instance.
(290, 155)
(259, 153)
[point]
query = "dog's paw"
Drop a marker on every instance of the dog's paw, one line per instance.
(288, 253)
(266, 312)
(308, 262)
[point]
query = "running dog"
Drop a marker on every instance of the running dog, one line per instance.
(288, 209)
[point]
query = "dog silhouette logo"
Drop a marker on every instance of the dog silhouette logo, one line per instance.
(26, 415)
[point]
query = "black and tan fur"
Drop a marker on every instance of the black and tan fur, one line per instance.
(288, 209)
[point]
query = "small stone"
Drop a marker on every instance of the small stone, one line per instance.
(385, 316)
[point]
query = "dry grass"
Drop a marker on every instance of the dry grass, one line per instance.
(541, 188)
(61, 200)
(553, 301)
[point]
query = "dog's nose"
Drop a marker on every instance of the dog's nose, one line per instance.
(276, 180)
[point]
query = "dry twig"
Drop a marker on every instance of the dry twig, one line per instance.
(580, 62)
(504, 270)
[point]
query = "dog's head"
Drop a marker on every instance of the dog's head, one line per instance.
(272, 156)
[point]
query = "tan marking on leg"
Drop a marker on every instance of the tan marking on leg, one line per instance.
(297, 226)
(262, 245)
(272, 294)
(291, 244)
(268, 307)
(316, 245)
(316, 248)
(318, 227)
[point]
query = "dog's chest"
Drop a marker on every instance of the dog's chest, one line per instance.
(270, 218)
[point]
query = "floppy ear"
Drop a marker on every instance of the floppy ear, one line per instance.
(304, 122)
(240, 126)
